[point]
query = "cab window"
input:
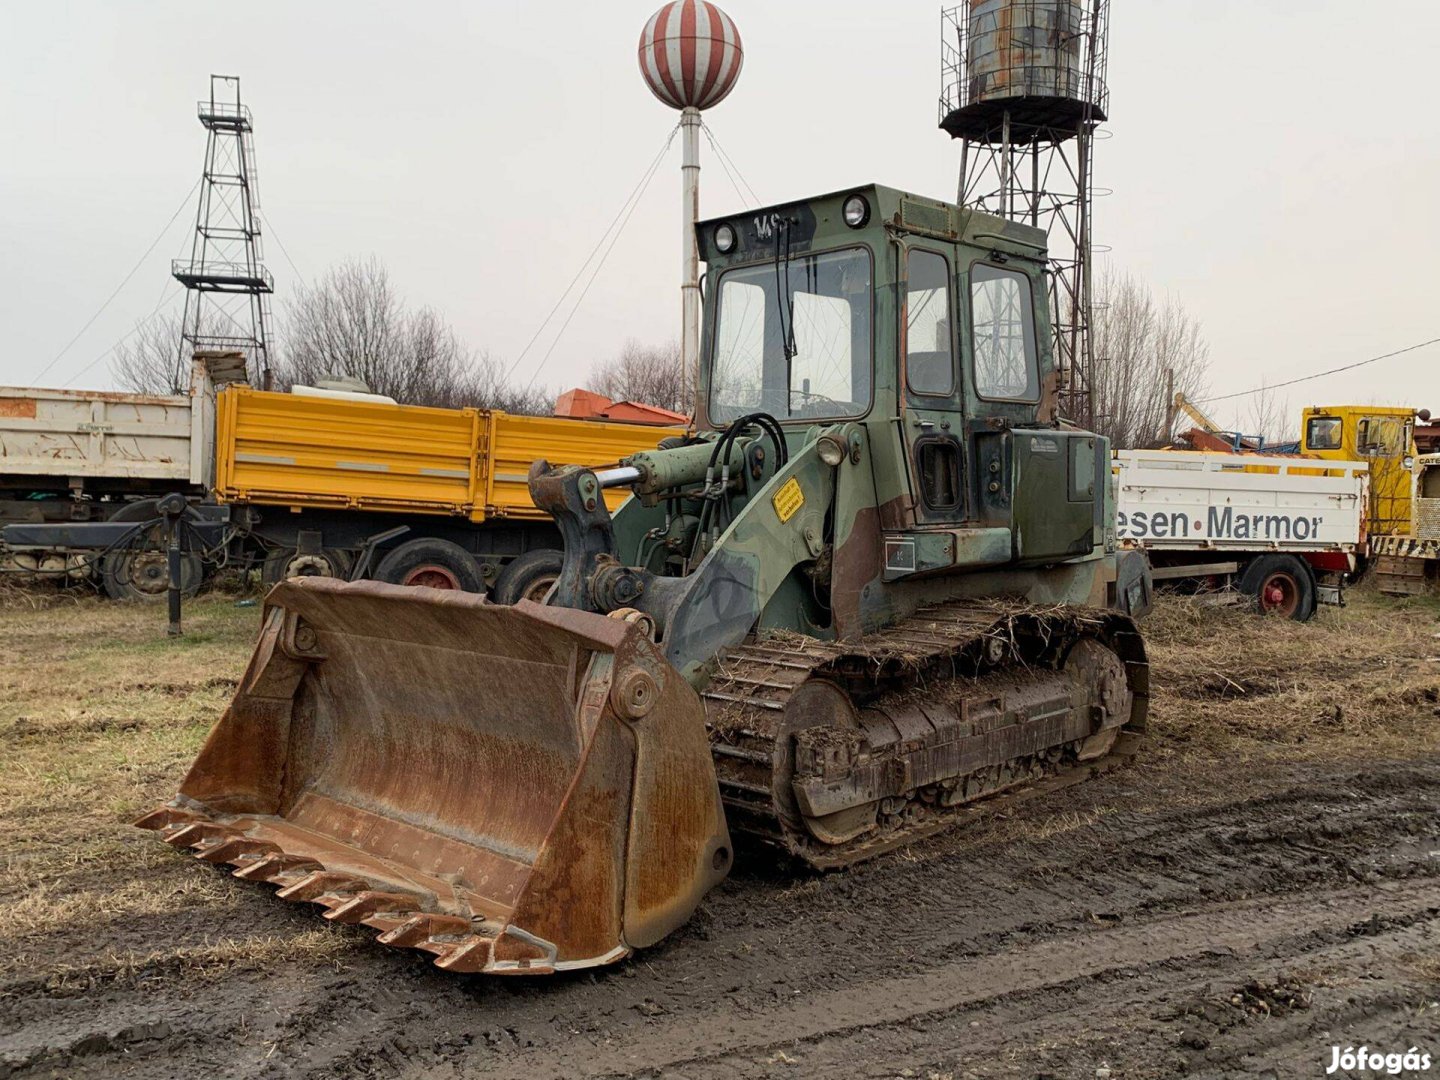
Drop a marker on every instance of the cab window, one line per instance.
(1002, 322)
(1380, 437)
(1323, 433)
(794, 340)
(929, 357)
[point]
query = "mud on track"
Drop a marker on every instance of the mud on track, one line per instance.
(1185, 915)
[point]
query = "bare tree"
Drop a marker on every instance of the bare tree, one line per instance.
(1268, 415)
(652, 374)
(1144, 351)
(352, 322)
(148, 361)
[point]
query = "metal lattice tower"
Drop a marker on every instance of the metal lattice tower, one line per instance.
(1023, 88)
(227, 305)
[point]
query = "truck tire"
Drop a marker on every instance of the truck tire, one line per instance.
(527, 577)
(1282, 585)
(283, 563)
(438, 564)
(140, 571)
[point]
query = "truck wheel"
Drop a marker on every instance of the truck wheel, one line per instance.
(283, 563)
(527, 577)
(1281, 585)
(438, 564)
(137, 573)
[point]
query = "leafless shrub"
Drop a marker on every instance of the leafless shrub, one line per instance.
(1145, 351)
(653, 374)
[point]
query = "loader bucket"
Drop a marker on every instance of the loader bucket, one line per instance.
(512, 789)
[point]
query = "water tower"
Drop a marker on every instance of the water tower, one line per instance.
(690, 56)
(1023, 88)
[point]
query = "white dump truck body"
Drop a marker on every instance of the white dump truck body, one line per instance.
(93, 439)
(1173, 500)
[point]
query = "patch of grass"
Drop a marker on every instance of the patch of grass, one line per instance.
(50, 906)
(100, 716)
(1358, 681)
(1425, 968)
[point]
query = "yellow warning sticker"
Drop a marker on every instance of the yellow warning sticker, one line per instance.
(788, 499)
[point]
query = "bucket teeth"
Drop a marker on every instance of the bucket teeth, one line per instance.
(419, 931)
(166, 816)
(370, 902)
(233, 848)
(193, 834)
(272, 867)
(397, 917)
(318, 883)
(471, 955)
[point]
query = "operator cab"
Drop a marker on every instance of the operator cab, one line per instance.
(927, 323)
(804, 302)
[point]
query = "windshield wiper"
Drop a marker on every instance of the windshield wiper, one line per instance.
(784, 298)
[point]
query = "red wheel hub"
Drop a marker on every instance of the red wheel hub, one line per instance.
(432, 576)
(1279, 595)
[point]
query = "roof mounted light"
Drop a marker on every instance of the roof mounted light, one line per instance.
(725, 238)
(856, 211)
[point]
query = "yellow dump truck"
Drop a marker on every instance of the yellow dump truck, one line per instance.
(346, 484)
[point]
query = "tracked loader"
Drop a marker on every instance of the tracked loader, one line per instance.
(875, 588)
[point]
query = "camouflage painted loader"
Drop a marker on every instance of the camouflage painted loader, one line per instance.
(878, 586)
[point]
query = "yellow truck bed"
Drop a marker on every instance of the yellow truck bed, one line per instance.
(288, 450)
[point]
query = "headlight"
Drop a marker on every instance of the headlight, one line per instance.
(724, 238)
(856, 211)
(831, 450)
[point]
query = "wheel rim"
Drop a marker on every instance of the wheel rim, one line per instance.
(148, 573)
(537, 589)
(432, 576)
(1280, 594)
(309, 566)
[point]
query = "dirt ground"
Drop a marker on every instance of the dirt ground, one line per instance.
(1262, 884)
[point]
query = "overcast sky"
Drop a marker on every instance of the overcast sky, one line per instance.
(1275, 166)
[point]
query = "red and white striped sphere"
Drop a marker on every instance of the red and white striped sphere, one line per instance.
(690, 54)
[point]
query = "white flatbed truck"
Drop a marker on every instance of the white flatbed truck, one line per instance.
(1285, 531)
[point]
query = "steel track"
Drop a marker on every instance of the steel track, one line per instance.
(954, 642)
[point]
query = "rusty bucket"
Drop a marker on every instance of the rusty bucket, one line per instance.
(512, 789)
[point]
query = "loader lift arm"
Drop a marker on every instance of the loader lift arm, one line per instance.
(780, 525)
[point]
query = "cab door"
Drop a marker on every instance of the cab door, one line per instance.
(933, 414)
(1385, 442)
